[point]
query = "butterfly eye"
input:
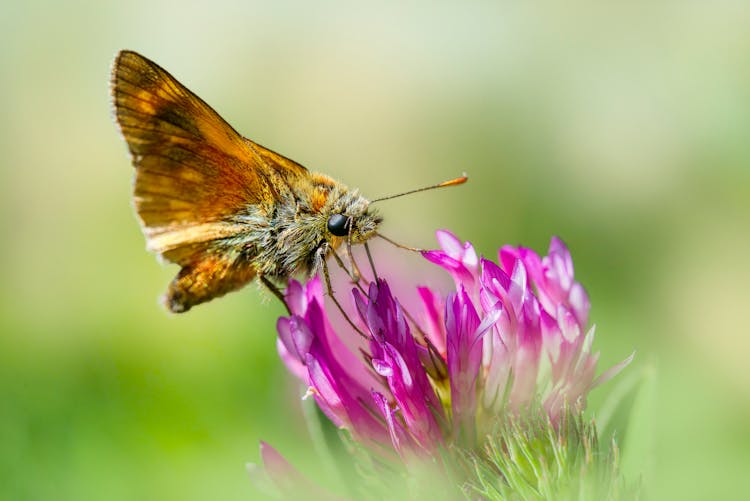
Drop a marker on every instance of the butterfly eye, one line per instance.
(338, 225)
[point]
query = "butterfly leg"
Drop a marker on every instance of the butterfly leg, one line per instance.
(275, 290)
(352, 273)
(356, 274)
(327, 278)
(372, 263)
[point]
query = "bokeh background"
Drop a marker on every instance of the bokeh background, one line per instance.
(623, 128)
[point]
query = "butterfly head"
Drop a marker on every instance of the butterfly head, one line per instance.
(341, 215)
(351, 219)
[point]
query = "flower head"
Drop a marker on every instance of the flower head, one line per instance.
(512, 334)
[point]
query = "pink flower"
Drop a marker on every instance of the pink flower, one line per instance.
(513, 333)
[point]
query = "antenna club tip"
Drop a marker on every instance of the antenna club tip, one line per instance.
(451, 182)
(454, 182)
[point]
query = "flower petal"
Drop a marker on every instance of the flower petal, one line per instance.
(612, 371)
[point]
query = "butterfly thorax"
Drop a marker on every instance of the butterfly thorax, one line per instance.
(293, 236)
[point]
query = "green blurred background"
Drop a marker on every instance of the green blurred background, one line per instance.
(625, 129)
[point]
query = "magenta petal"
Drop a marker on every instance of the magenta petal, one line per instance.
(395, 429)
(440, 258)
(533, 264)
(464, 360)
(284, 329)
(332, 348)
(454, 266)
(507, 257)
(342, 390)
(360, 303)
(404, 369)
(459, 259)
(314, 289)
(433, 317)
(382, 403)
(326, 392)
(493, 275)
(292, 362)
(296, 297)
(299, 335)
(393, 345)
(293, 344)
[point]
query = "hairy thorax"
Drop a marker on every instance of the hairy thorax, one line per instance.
(292, 236)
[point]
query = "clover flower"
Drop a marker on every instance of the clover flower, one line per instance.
(512, 337)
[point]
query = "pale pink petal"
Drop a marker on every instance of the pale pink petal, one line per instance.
(450, 243)
(612, 371)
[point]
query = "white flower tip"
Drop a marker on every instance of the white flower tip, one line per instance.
(588, 341)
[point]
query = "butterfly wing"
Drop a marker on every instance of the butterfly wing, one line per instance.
(194, 172)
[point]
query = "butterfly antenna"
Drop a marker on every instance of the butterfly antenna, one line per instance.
(444, 184)
(400, 246)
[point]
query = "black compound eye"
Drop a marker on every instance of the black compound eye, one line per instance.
(338, 225)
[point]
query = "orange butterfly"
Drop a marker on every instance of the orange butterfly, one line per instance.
(221, 206)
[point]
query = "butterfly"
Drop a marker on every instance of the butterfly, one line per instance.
(224, 208)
